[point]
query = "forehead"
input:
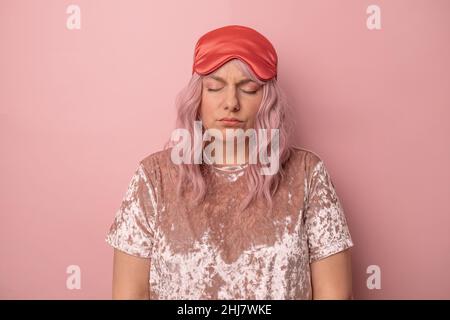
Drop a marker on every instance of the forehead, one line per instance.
(229, 72)
(228, 79)
(225, 79)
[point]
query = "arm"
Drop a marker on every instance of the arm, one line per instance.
(130, 276)
(131, 236)
(332, 277)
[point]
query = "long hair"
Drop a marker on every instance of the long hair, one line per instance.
(273, 113)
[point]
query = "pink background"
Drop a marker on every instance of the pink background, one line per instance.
(79, 108)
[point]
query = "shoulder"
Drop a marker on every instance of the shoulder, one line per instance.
(155, 165)
(305, 158)
(155, 159)
(158, 165)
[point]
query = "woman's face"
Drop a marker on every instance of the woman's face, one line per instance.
(230, 100)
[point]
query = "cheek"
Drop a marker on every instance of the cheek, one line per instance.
(211, 100)
(252, 105)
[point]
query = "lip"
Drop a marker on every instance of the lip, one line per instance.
(230, 121)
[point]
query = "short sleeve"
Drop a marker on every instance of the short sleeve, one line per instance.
(325, 222)
(132, 230)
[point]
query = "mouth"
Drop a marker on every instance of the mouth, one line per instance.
(230, 121)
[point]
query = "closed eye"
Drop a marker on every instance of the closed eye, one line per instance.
(248, 92)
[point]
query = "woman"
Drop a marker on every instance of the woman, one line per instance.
(218, 228)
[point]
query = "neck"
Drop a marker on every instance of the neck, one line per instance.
(234, 157)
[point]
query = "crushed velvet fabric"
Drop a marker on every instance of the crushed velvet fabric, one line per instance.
(210, 251)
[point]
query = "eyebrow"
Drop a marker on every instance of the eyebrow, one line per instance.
(243, 81)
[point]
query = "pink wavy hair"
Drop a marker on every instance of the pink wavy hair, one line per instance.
(273, 113)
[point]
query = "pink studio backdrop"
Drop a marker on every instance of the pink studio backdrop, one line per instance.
(79, 108)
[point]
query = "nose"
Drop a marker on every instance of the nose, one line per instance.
(232, 102)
